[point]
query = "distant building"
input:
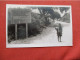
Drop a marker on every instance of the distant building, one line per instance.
(18, 19)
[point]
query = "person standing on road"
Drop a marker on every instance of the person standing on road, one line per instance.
(59, 32)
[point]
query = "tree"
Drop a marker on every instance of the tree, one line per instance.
(48, 12)
(64, 9)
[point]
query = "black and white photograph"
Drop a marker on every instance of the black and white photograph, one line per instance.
(38, 25)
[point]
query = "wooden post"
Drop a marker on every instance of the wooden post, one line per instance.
(15, 31)
(26, 30)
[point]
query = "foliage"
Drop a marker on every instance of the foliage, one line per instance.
(40, 21)
(37, 24)
(66, 18)
(49, 11)
(64, 9)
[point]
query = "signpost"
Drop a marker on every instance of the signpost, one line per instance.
(20, 18)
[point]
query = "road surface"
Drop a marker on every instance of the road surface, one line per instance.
(49, 37)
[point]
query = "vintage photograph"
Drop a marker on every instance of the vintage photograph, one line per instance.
(38, 25)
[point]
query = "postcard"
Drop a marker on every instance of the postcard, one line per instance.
(38, 25)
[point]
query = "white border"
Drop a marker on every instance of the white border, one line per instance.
(34, 45)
